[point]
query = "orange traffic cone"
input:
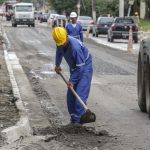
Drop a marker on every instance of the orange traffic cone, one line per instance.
(130, 41)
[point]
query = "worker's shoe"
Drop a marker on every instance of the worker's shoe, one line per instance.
(88, 117)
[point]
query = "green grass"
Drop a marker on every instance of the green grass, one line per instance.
(145, 24)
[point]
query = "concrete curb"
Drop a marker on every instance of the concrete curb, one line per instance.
(115, 46)
(22, 128)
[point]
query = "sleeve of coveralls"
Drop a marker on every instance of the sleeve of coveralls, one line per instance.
(59, 57)
(75, 76)
(81, 34)
(67, 29)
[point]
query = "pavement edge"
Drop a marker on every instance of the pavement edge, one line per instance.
(22, 127)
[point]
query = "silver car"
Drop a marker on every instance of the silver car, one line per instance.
(85, 22)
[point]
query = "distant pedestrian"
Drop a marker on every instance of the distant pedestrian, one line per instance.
(73, 28)
(79, 61)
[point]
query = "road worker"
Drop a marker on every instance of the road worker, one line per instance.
(73, 28)
(79, 61)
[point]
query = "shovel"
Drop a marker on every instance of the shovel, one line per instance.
(88, 116)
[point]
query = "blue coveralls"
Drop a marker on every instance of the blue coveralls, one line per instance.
(79, 60)
(76, 31)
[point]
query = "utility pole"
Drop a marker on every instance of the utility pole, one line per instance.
(94, 10)
(78, 7)
(131, 2)
(121, 8)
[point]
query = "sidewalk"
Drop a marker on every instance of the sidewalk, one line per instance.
(9, 114)
(20, 112)
(118, 44)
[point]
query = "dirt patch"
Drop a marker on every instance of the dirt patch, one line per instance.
(8, 112)
(72, 136)
(82, 137)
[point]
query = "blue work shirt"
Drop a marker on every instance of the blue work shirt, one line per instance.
(76, 31)
(77, 57)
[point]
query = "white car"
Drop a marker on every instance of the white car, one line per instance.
(59, 21)
(50, 19)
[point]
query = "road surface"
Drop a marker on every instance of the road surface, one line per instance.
(120, 125)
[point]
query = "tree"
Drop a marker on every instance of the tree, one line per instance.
(86, 7)
(103, 7)
(1, 1)
(147, 16)
(63, 6)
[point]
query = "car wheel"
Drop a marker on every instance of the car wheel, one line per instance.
(15, 25)
(33, 25)
(96, 34)
(136, 40)
(93, 34)
(111, 39)
(148, 86)
(141, 85)
(108, 39)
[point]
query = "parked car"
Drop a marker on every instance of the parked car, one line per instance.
(85, 22)
(59, 20)
(120, 29)
(51, 18)
(37, 15)
(102, 25)
(44, 17)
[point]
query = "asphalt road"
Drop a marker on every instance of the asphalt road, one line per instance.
(113, 94)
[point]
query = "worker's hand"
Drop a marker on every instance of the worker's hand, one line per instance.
(58, 69)
(70, 85)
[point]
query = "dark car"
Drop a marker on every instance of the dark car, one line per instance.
(120, 29)
(44, 17)
(102, 25)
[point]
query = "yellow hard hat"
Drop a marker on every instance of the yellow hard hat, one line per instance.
(59, 35)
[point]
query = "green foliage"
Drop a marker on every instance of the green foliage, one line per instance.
(62, 6)
(86, 7)
(1, 1)
(104, 7)
(145, 25)
(147, 2)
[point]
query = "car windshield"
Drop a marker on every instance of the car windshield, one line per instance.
(84, 18)
(45, 15)
(52, 16)
(61, 17)
(106, 20)
(24, 8)
(124, 20)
